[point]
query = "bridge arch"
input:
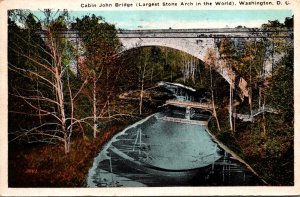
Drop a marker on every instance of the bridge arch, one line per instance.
(198, 48)
(181, 45)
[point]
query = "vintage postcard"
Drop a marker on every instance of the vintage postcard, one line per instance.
(149, 97)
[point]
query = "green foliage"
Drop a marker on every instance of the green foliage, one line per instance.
(101, 49)
(272, 157)
(281, 92)
(273, 24)
(99, 39)
(289, 22)
(25, 49)
(161, 64)
(280, 96)
(231, 141)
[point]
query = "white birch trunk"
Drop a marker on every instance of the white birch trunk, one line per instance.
(61, 109)
(94, 106)
(142, 89)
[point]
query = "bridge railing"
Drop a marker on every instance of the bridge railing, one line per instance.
(189, 104)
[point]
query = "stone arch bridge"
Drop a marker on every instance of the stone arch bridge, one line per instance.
(201, 43)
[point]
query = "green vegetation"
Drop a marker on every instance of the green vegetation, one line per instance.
(267, 142)
(65, 103)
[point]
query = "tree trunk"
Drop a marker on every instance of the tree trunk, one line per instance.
(263, 125)
(61, 109)
(250, 102)
(250, 93)
(152, 70)
(141, 99)
(70, 128)
(67, 144)
(259, 98)
(37, 89)
(234, 119)
(108, 107)
(215, 112)
(264, 134)
(212, 99)
(142, 89)
(230, 108)
(94, 106)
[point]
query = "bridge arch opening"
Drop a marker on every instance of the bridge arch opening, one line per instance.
(185, 67)
(206, 55)
(169, 64)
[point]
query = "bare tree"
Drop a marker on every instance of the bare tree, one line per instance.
(142, 82)
(211, 60)
(49, 68)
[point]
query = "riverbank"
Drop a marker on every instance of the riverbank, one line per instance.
(49, 166)
(237, 157)
(274, 163)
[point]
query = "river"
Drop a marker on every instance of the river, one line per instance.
(169, 148)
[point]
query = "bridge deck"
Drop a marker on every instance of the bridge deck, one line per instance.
(189, 104)
(256, 112)
(185, 121)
